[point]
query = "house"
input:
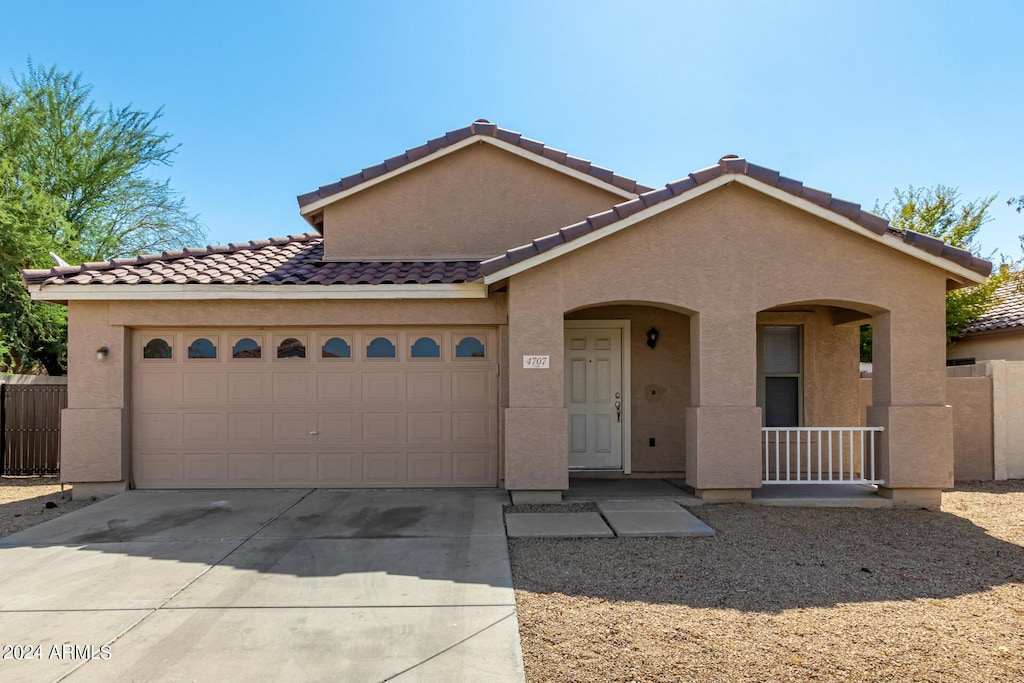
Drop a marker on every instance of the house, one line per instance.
(485, 310)
(998, 334)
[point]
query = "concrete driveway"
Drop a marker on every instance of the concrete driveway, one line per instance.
(263, 585)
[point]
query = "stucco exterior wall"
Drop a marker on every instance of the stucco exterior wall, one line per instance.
(721, 259)
(1008, 417)
(1002, 346)
(971, 398)
(476, 202)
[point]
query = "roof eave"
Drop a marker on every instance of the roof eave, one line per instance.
(172, 292)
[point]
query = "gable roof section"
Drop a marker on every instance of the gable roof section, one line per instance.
(480, 130)
(735, 169)
(1008, 313)
(293, 260)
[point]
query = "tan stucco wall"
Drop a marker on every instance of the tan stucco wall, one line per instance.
(95, 426)
(971, 400)
(1003, 346)
(659, 384)
(1008, 416)
(478, 201)
(722, 258)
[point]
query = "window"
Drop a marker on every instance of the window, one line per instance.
(246, 348)
(470, 347)
(202, 348)
(291, 348)
(954, 362)
(381, 347)
(156, 348)
(425, 347)
(335, 347)
(780, 377)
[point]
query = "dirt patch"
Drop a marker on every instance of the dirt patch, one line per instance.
(27, 501)
(786, 594)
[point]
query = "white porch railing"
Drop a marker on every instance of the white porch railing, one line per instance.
(819, 455)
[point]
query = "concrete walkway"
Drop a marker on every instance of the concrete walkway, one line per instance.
(645, 517)
(312, 585)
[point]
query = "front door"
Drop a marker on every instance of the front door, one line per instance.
(594, 397)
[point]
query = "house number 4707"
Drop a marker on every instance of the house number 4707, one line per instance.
(536, 362)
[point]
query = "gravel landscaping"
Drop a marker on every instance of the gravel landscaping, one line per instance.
(27, 501)
(786, 594)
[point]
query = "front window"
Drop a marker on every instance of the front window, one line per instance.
(780, 376)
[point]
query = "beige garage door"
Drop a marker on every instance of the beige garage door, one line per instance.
(314, 407)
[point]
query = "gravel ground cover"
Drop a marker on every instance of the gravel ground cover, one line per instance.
(786, 594)
(24, 502)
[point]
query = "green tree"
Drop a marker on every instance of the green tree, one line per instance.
(79, 181)
(939, 211)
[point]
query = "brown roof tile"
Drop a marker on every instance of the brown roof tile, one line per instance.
(292, 260)
(732, 164)
(1008, 311)
(482, 128)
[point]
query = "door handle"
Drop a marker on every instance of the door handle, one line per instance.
(314, 433)
(618, 411)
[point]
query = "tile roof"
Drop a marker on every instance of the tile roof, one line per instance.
(293, 260)
(1008, 312)
(480, 127)
(732, 164)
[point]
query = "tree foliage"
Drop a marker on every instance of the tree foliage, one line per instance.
(939, 211)
(76, 180)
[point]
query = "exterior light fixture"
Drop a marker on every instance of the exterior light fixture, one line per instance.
(652, 337)
(102, 353)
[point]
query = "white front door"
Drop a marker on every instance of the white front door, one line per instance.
(594, 397)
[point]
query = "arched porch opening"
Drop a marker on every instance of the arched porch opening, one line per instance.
(629, 420)
(813, 401)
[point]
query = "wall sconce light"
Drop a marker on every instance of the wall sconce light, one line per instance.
(102, 353)
(652, 337)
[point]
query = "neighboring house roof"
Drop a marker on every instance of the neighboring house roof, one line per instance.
(483, 130)
(293, 260)
(1007, 313)
(728, 168)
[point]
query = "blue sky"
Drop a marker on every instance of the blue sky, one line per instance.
(269, 100)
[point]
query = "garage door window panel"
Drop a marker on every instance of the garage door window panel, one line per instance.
(247, 348)
(158, 348)
(471, 347)
(336, 348)
(202, 348)
(291, 348)
(382, 348)
(425, 348)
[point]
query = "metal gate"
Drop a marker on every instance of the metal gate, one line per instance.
(30, 433)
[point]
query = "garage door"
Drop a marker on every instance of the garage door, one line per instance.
(314, 407)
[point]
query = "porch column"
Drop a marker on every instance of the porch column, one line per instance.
(909, 401)
(94, 427)
(723, 424)
(536, 436)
